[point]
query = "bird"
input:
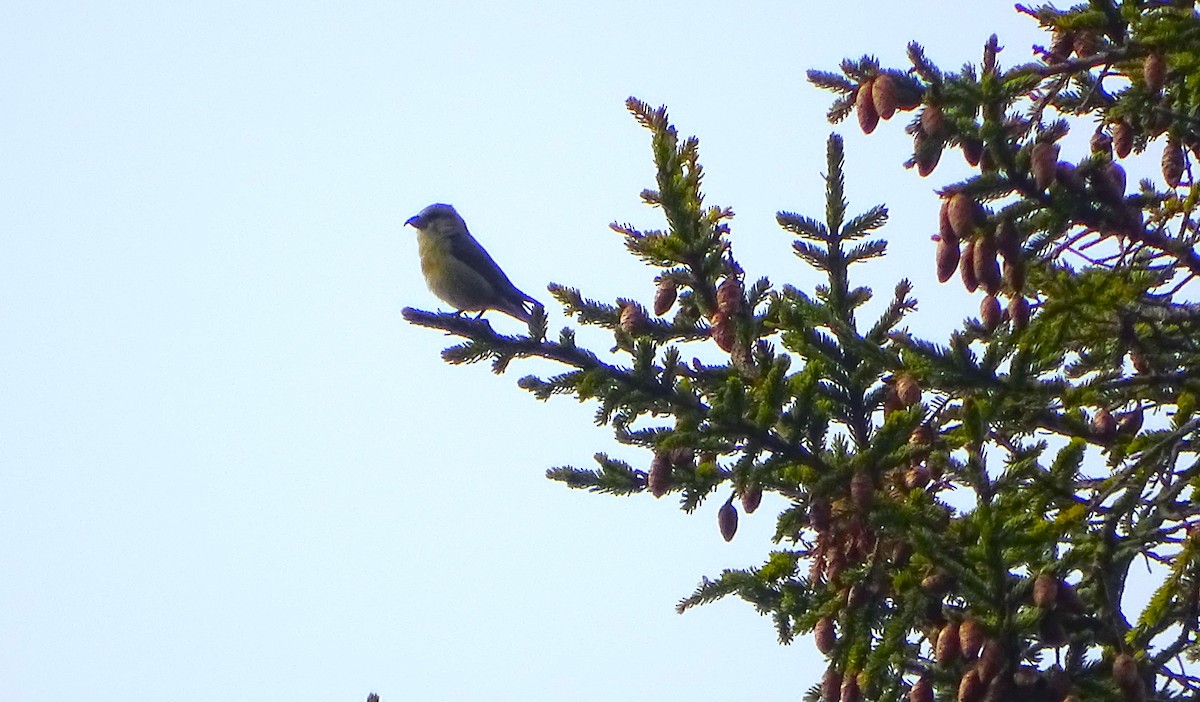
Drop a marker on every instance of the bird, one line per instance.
(459, 271)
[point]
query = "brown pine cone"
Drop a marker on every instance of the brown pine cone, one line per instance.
(883, 94)
(1018, 311)
(1045, 591)
(824, 635)
(1154, 70)
(633, 318)
(963, 215)
(1172, 162)
(658, 480)
(1043, 161)
(989, 313)
(949, 645)
(864, 105)
(1122, 139)
(932, 121)
(970, 638)
(752, 498)
(971, 687)
(967, 269)
(987, 270)
(727, 520)
(664, 295)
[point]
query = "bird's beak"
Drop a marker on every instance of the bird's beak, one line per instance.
(416, 222)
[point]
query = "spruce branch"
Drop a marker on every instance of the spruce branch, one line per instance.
(1002, 475)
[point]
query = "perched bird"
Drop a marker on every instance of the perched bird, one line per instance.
(459, 271)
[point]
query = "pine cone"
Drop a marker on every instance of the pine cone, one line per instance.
(722, 332)
(824, 635)
(1018, 311)
(727, 519)
(831, 685)
(1172, 162)
(1045, 591)
(971, 687)
(932, 121)
(883, 94)
(967, 269)
(752, 498)
(1122, 139)
(970, 638)
(850, 689)
(926, 153)
(659, 478)
(908, 390)
(949, 646)
(1125, 671)
(987, 271)
(972, 149)
(664, 295)
(963, 215)
(864, 105)
(989, 313)
(1101, 142)
(1043, 161)
(945, 228)
(729, 296)
(633, 318)
(921, 691)
(991, 660)
(1154, 70)
(947, 256)
(1104, 426)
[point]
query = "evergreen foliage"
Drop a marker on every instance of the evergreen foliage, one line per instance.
(1063, 420)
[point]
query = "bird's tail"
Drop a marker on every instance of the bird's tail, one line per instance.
(521, 307)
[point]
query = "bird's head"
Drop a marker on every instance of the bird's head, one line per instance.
(438, 220)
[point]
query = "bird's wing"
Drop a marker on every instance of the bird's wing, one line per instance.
(470, 252)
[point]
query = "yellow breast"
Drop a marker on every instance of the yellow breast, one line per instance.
(449, 278)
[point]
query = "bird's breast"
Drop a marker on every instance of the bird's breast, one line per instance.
(449, 278)
(434, 253)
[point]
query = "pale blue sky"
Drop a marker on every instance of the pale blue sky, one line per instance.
(230, 471)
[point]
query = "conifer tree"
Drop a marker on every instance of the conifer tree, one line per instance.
(1063, 419)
